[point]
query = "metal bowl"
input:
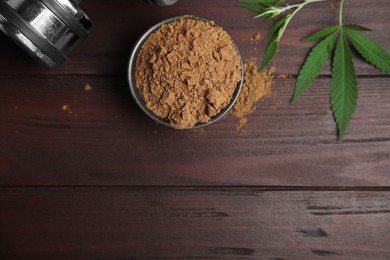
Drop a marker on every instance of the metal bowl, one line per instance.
(139, 99)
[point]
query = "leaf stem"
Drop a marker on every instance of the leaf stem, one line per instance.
(290, 16)
(273, 11)
(301, 5)
(313, 1)
(341, 13)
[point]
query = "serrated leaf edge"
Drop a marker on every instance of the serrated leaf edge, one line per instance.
(381, 60)
(320, 34)
(312, 67)
(350, 90)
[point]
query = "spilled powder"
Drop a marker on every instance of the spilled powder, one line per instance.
(255, 39)
(187, 71)
(256, 86)
(88, 87)
(67, 109)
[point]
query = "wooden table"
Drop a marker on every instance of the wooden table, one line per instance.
(99, 179)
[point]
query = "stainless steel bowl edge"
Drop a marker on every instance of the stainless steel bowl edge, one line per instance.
(132, 83)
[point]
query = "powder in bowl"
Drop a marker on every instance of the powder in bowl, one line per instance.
(187, 71)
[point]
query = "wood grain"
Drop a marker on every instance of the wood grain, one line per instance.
(118, 24)
(85, 174)
(103, 138)
(193, 224)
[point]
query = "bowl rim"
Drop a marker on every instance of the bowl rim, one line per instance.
(135, 92)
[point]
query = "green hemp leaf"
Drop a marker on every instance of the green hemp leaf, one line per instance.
(371, 51)
(315, 62)
(344, 91)
(344, 86)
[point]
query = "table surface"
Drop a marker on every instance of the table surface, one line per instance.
(101, 180)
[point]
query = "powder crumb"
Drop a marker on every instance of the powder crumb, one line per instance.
(187, 72)
(88, 87)
(256, 86)
(255, 39)
(283, 76)
(67, 109)
(277, 105)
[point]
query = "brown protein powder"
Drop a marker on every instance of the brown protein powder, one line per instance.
(187, 71)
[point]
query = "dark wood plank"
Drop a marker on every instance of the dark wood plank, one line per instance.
(193, 224)
(117, 25)
(104, 139)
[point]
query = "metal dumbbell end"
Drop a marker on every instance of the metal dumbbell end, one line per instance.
(162, 2)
